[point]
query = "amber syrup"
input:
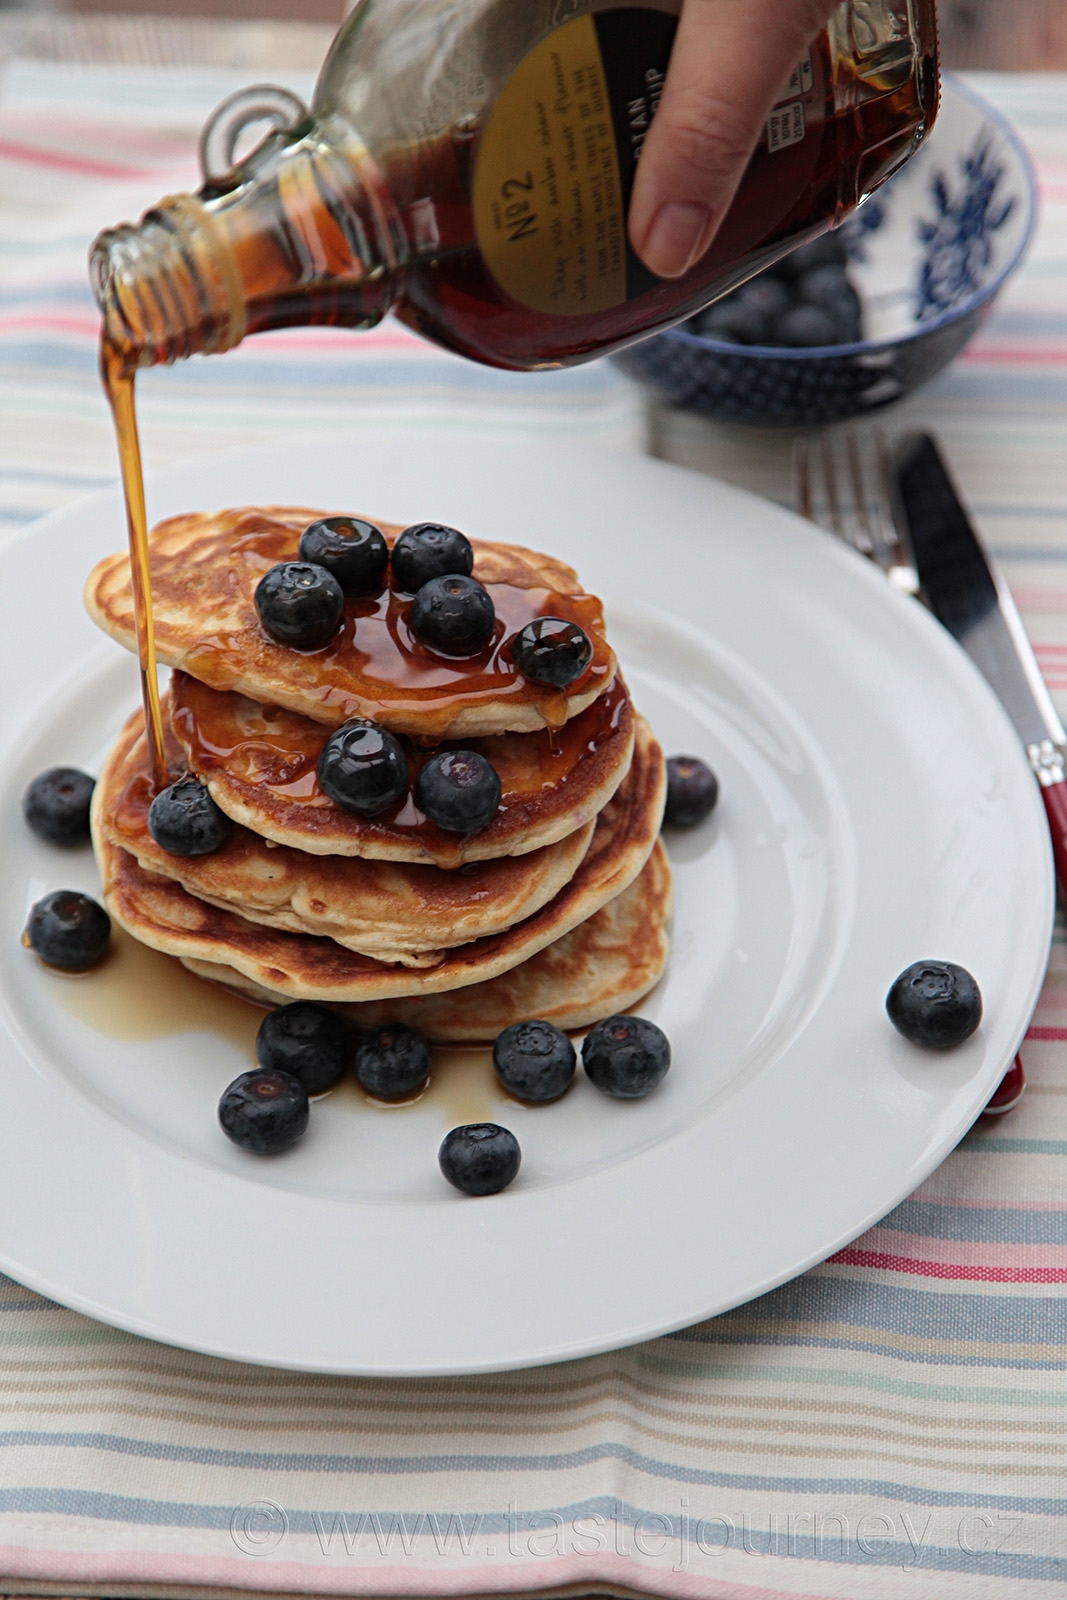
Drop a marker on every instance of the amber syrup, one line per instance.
(118, 378)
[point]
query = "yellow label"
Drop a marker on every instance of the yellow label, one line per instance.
(549, 213)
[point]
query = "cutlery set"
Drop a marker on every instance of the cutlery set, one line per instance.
(899, 507)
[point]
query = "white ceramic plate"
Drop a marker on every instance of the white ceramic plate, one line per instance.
(876, 809)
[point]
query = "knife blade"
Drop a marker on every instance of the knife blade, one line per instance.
(966, 592)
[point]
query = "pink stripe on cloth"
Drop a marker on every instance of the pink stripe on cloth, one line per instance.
(1021, 355)
(978, 1203)
(67, 161)
(1046, 1034)
(965, 1252)
(884, 1262)
(291, 1577)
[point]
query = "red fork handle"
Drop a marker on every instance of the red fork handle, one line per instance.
(1055, 797)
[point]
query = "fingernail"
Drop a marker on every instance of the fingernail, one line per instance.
(679, 235)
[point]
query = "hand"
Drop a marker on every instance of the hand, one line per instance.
(729, 62)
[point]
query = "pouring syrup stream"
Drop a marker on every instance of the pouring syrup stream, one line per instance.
(118, 379)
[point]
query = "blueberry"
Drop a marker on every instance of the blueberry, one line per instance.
(354, 551)
(626, 1057)
(534, 1060)
(692, 790)
(805, 326)
(363, 768)
(264, 1110)
(68, 930)
(392, 1061)
(299, 604)
(829, 288)
(185, 821)
(733, 323)
(430, 550)
(458, 790)
(829, 250)
(767, 294)
(935, 1003)
(480, 1158)
(551, 650)
(56, 805)
(307, 1041)
(453, 614)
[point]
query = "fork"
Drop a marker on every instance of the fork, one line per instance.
(842, 481)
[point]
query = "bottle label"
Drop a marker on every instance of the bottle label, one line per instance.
(556, 163)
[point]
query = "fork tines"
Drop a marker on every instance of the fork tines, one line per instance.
(843, 482)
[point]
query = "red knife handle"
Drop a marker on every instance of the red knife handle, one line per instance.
(1055, 797)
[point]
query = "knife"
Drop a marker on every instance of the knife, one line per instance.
(967, 593)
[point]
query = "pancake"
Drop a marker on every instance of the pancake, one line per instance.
(396, 913)
(205, 567)
(259, 764)
(605, 965)
(160, 913)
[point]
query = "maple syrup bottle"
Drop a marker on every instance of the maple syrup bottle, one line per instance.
(467, 164)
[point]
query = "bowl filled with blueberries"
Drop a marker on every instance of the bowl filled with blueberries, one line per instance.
(860, 317)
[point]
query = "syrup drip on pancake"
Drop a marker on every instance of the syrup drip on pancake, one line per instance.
(271, 754)
(205, 569)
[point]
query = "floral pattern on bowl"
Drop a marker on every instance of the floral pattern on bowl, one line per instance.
(928, 254)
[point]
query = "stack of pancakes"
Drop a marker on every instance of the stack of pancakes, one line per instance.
(558, 909)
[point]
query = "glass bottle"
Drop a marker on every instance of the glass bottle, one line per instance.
(467, 165)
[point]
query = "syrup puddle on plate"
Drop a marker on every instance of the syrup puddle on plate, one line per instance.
(138, 993)
(141, 994)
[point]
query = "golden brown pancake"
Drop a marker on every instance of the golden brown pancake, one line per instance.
(605, 965)
(396, 913)
(205, 568)
(259, 764)
(299, 966)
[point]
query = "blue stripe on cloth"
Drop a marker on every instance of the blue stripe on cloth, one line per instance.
(40, 1500)
(349, 1531)
(997, 1225)
(73, 480)
(945, 1320)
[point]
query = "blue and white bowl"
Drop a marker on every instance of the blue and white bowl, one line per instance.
(929, 253)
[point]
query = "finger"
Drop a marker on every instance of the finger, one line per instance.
(729, 62)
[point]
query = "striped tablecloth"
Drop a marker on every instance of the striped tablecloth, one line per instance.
(891, 1424)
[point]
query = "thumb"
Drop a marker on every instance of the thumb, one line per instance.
(728, 64)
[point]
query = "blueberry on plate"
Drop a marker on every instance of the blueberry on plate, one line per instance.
(458, 790)
(453, 615)
(733, 323)
(68, 930)
(307, 1041)
(626, 1057)
(804, 326)
(299, 604)
(692, 790)
(534, 1060)
(935, 1003)
(353, 550)
(264, 1111)
(56, 805)
(363, 768)
(391, 1062)
(552, 651)
(185, 821)
(480, 1158)
(429, 550)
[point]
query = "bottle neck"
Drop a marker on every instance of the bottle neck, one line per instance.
(309, 236)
